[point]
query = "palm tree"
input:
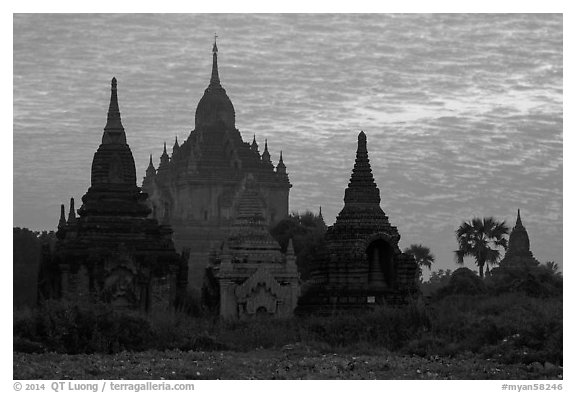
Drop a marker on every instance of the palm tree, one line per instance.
(422, 255)
(481, 239)
(552, 267)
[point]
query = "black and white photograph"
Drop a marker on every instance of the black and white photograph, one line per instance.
(294, 196)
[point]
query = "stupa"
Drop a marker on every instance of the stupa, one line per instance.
(112, 251)
(363, 265)
(518, 254)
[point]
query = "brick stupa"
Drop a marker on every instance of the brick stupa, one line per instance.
(518, 254)
(363, 264)
(112, 251)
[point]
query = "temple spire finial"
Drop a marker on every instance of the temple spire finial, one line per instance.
(72, 213)
(151, 160)
(266, 154)
(518, 220)
(62, 222)
(215, 79)
(362, 188)
(114, 122)
(114, 131)
(176, 146)
(254, 145)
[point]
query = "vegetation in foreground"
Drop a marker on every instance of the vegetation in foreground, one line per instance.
(517, 334)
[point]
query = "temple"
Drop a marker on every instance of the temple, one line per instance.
(518, 254)
(250, 275)
(112, 251)
(362, 265)
(197, 188)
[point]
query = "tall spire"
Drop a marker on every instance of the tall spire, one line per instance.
(114, 131)
(362, 188)
(164, 159)
(175, 147)
(254, 145)
(72, 213)
(215, 79)
(519, 220)
(62, 222)
(150, 171)
(266, 154)
(281, 168)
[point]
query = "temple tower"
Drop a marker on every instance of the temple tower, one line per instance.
(363, 264)
(194, 190)
(112, 251)
(518, 254)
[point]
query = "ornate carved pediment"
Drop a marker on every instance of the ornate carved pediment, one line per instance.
(261, 301)
(261, 278)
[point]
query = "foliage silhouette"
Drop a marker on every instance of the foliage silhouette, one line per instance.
(422, 255)
(481, 239)
(307, 233)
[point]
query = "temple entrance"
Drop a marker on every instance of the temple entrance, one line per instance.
(380, 263)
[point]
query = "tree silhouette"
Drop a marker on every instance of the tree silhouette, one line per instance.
(422, 255)
(26, 261)
(553, 267)
(481, 239)
(307, 233)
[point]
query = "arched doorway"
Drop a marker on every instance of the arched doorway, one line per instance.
(380, 263)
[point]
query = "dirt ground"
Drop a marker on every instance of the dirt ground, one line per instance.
(290, 362)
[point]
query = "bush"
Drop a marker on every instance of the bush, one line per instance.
(535, 281)
(510, 327)
(515, 327)
(386, 327)
(82, 328)
(258, 333)
(463, 282)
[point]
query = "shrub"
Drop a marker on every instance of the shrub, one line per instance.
(258, 333)
(386, 327)
(82, 328)
(463, 282)
(535, 281)
(515, 327)
(511, 327)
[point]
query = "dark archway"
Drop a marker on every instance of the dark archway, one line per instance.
(380, 263)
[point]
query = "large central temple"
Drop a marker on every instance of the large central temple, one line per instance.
(196, 190)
